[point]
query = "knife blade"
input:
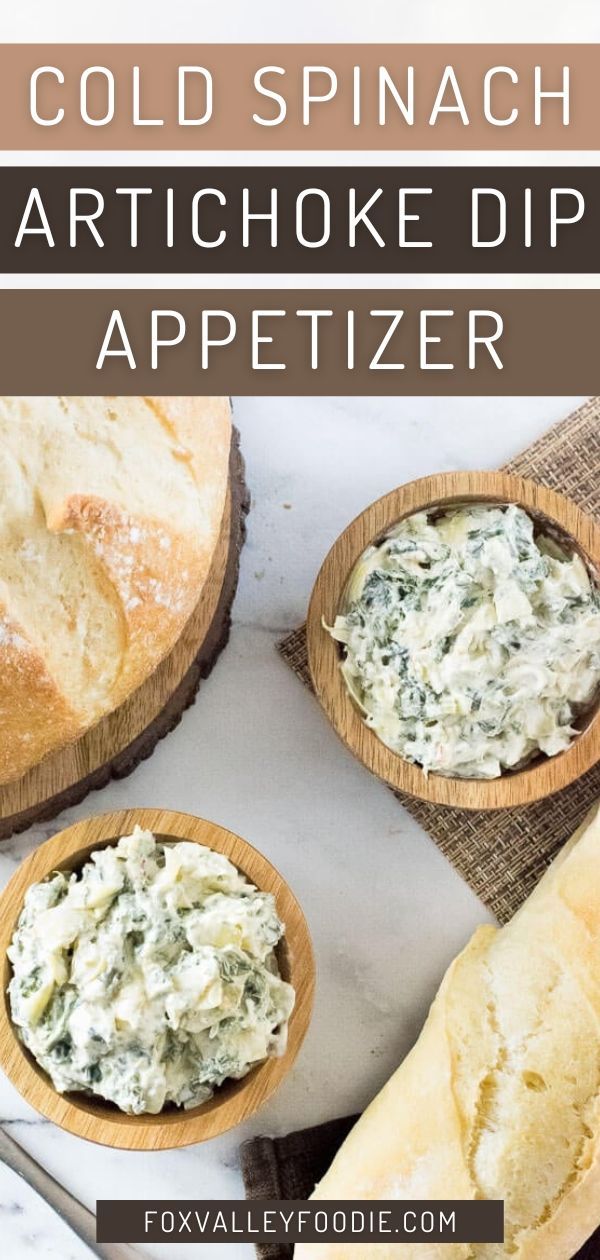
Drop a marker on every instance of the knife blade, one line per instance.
(81, 1221)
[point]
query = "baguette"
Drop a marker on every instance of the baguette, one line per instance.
(110, 511)
(500, 1097)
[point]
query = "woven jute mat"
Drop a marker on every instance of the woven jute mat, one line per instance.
(502, 854)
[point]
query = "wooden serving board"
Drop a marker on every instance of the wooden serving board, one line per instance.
(116, 745)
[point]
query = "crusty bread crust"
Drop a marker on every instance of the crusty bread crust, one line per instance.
(143, 569)
(500, 1097)
(33, 713)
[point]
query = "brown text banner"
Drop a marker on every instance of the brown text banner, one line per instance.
(299, 96)
(277, 342)
(294, 219)
(285, 1221)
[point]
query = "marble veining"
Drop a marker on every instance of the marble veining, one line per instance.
(386, 910)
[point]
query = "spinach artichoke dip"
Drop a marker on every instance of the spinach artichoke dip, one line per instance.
(149, 976)
(471, 643)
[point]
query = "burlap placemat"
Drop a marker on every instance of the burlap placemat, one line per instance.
(289, 1167)
(503, 854)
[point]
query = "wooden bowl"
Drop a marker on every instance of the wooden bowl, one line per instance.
(557, 516)
(234, 1101)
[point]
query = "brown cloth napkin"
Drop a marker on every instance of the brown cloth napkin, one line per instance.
(289, 1167)
(503, 854)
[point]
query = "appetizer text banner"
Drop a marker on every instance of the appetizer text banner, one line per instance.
(300, 342)
(300, 96)
(267, 219)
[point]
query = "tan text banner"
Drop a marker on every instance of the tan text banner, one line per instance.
(300, 96)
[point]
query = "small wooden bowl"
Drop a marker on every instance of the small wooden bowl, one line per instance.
(557, 516)
(234, 1101)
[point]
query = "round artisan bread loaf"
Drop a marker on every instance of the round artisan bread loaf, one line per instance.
(110, 512)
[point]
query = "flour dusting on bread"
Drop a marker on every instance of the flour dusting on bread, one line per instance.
(500, 1097)
(110, 512)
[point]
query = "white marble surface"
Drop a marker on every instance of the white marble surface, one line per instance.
(313, 21)
(386, 911)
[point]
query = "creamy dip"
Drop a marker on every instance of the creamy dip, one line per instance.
(149, 976)
(471, 643)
